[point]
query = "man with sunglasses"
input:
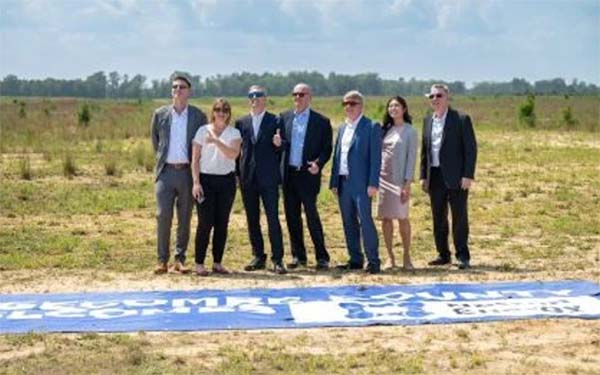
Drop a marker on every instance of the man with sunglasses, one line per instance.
(355, 180)
(259, 176)
(448, 157)
(307, 151)
(172, 129)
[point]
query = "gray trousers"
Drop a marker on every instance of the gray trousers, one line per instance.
(173, 188)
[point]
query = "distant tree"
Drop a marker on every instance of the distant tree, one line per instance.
(527, 112)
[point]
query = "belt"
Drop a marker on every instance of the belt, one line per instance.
(179, 166)
(344, 177)
(292, 168)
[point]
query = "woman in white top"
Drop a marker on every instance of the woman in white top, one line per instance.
(215, 148)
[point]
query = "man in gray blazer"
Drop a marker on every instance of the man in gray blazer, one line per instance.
(173, 128)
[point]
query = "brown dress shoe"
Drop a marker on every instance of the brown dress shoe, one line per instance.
(160, 268)
(178, 267)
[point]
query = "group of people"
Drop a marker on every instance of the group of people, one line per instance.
(201, 161)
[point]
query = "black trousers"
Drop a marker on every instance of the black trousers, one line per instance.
(251, 196)
(295, 195)
(442, 197)
(213, 213)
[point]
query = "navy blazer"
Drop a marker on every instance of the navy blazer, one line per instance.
(364, 157)
(259, 159)
(317, 145)
(458, 154)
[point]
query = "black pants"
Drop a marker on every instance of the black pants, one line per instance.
(251, 196)
(441, 197)
(213, 212)
(295, 195)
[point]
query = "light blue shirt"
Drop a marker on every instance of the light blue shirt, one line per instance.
(299, 126)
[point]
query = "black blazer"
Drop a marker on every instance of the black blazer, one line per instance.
(458, 154)
(317, 145)
(259, 159)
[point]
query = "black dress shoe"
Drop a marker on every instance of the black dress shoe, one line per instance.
(373, 269)
(255, 264)
(295, 263)
(463, 265)
(279, 269)
(439, 261)
(322, 265)
(349, 266)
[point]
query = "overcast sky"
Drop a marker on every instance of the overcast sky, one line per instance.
(467, 40)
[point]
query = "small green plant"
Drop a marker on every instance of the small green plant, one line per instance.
(99, 146)
(69, 168)
(25, 168)
(527, 112)
(568, 119)
(110, 167)
(22, 112)
(85, 115)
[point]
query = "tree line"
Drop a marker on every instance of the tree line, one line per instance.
(115, 85)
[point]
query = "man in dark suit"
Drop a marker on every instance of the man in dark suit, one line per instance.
(355, 180)
(259, 175)
(172, 129)
(308, 148)
(448, 157)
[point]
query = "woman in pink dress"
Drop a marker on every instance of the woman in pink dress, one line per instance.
(399, 154)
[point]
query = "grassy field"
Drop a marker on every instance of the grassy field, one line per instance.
(77, 214)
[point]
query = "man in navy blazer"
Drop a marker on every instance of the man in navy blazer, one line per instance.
(172, 129)
(259, 176)
(355, 180)
(448, 157)
(308, 148)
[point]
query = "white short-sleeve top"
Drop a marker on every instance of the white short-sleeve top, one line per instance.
(212, 160)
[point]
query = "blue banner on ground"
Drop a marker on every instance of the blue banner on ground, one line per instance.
(297, 307)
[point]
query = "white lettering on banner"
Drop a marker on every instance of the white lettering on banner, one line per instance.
(568, 306)
(283, 300)
(67, 312)
(446, 296)
(112, 313)
(23, 314)
(58, 305)
(91, 305)
(17, 305)
(145, 303)
(207, 302)
(253, 305)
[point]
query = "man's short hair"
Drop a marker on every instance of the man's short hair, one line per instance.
(440, 86)
(257, 88)
(181, 77)
(355, 95)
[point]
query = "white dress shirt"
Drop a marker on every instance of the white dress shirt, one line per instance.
(178, 148)
(345, 146)
(256, 120)
(437, 131)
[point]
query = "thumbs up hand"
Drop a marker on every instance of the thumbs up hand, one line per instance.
(313, 167)
(277, 138)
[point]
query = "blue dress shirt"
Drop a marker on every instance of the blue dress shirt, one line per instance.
(299, 126)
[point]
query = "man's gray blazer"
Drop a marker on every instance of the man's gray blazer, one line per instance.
(161, 130)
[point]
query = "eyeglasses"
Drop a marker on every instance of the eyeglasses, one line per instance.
(350, 103)
(255, 94)
(221, 110)
(431, 96)
(299, 94)
(181, 87)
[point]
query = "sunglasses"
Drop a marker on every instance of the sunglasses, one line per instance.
(431, 96)
(221, 110)
(350, 103)
(181, 87)
(299, 94)
(255, 94)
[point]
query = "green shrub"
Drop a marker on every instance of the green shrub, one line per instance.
(84, 115)
(25, 168)
(69, 168)
(568, 120)
(527, 112)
